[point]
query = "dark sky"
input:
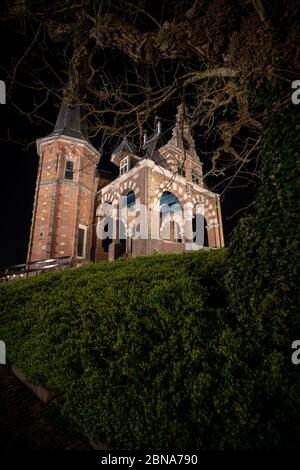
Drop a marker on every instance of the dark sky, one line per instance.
(18, 175)
(19, 164)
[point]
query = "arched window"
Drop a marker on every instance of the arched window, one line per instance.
(130, 199)
(169, 203)
(170, 217)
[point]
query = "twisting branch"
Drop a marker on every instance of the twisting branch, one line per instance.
(261, 11)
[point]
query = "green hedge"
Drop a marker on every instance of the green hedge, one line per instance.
(133, 346)
(263, 283)
(148, 353)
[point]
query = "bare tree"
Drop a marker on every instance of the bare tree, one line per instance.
(124, 61)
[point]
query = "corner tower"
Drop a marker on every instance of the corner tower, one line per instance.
(62, 219)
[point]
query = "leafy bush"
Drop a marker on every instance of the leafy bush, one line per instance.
(131, 345)
(178, 351)
(262, 279)
(148, 354)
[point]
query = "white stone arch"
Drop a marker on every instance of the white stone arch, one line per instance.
(107, 197)
(174, 189)
(129, 185)
(212, 220)
(105, 214)
(104, 208)
(125, 214)
(170, 219)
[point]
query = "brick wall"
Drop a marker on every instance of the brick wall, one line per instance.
(61, 204)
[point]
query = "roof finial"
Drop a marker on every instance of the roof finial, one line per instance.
(145, 138)
(157, 125)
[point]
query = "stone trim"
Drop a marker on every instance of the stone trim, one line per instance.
(79, 142)
(68, 183)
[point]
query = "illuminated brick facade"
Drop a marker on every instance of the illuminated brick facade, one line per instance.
(70, 194)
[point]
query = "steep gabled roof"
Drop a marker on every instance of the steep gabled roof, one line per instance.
(69, 122)
(124, 147)
(152, 145)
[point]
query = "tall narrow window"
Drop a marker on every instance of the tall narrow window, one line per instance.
(124, 165)
(81, 242)
(130, 199)
(57, 162)
(69, 171)
(181, 171)
(195, 178)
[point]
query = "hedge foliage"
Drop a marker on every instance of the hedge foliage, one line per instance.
(134, 346)
(178, 351)
(263, 282)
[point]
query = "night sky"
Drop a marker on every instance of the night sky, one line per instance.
(18, 175)
(19, 164)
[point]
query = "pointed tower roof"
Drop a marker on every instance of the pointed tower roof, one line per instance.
(122, 150)
(153, 143)
(124, 147)
(69, 122)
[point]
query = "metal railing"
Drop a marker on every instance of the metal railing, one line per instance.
(35, 267)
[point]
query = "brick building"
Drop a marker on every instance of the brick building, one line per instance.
(154, 205)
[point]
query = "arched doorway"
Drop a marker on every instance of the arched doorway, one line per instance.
(199, 226)
(127, 204)
(105, 230)
(107, 234)
(170, 217)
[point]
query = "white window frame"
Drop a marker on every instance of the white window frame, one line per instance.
(84, 228)
(124, 165)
